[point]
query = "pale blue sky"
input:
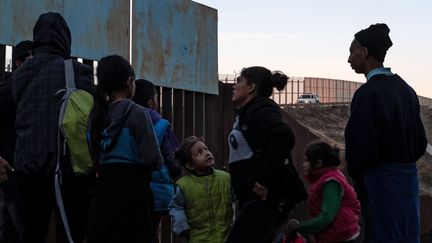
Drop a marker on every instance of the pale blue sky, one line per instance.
(312, 37)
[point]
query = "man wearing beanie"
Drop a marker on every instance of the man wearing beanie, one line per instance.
(384, 138)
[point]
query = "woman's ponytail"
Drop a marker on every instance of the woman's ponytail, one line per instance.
(279, 80)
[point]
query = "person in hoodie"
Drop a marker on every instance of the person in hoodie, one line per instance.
(162, 180)
(34, 87)
(124, 148)
(265, 182)
(384, 139)
(10, 219)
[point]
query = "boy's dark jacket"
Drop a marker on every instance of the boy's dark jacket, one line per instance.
(261, 123)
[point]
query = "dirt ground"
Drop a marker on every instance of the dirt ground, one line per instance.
(328, 122)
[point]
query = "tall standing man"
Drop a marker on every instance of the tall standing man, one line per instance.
(384, 139)
(34, 88)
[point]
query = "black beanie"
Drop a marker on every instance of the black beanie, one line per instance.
(377, 40)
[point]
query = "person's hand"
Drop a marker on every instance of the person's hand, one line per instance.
(4, 167)
(260, 191)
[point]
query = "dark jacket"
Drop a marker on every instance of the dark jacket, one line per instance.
(7, 121)
(385, 125)
(34, 89)
(271, 141)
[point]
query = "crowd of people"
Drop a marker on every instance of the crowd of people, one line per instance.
(140, 172)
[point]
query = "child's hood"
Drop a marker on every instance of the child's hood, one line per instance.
(118, 113)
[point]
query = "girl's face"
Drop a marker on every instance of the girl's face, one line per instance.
(202, 158)
(242, 91)
(308, 167)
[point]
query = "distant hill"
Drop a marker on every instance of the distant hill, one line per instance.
(328, 123)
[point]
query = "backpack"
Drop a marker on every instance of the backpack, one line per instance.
(75, 108)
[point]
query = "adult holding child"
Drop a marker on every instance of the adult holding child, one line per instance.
(264, 180)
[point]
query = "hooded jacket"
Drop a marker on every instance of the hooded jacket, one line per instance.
(34, 88)
(129, 137)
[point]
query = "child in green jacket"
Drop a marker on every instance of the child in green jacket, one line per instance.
(202, 206)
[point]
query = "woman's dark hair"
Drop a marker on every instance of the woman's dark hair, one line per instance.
(322, 151)
(113, 73)
(264, 79)
(144, 91)
(183, 154)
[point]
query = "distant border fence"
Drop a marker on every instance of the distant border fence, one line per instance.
(329, 90)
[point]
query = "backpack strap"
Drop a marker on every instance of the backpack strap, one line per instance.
(70, 84)
(69, 74)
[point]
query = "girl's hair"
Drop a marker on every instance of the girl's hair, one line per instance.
(183, 154)
(113, 73)
(322, 151)
(264, 79)
(144, 91)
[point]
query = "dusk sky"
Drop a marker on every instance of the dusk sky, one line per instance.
(312, 37)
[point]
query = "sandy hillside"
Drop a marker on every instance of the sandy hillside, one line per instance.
(328, 122)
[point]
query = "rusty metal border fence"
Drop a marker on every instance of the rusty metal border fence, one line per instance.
(329, 90)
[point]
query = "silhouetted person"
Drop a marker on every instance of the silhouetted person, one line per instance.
(34, 88)
(10, 220)
(384, 139)
(264, 180)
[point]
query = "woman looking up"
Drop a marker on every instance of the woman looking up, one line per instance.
(264, 180)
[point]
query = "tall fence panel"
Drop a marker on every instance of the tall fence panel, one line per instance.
(174, 44)
(97, 29)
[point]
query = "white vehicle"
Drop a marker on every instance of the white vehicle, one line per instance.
(308, 98)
